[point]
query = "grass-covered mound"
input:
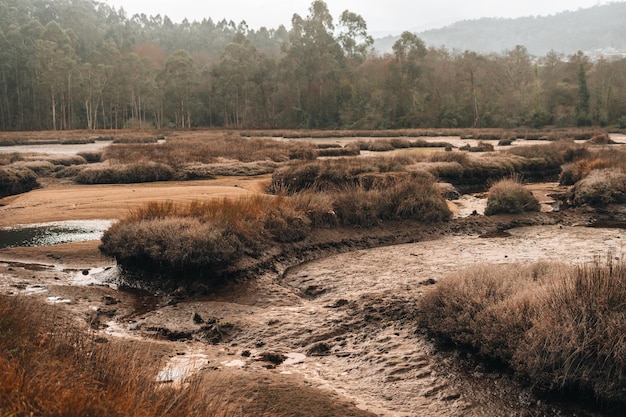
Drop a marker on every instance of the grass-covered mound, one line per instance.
(14, 180)
(126, 173)
(363, 192)
(510, 197)
(210, 147)
(202, 238)
(600, 187)
(560, 326)
(211, 238)
(536, 163)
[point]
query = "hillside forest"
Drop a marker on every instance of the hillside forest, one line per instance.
(81, 64)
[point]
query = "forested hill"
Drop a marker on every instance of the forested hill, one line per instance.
(600, 27)
(80, 64)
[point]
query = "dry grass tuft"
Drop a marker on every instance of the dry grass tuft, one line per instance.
(203, 237)
(561, 326)
(139, 172)
(49, 368)
(510, 196)
(14, 180)
(600, 188)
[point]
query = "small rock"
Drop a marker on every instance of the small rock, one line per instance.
(275, 358)
(319, 349)
(197, 318)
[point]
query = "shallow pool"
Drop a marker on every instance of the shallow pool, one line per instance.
(44, 234)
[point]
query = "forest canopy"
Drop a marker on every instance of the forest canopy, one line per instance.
(81, 64)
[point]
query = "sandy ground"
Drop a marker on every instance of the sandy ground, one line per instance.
(56, 201)
(342, 324)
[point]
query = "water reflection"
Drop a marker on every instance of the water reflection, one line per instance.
(44, 234)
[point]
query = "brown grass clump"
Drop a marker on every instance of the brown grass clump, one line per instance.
(577, 171)
(414, 197)
(561, 326)
(210, 147)
(202, 237)
(15, 180)
(91, 157)
(49, 368)
(126, 173)
(332, 175)
(600, 188)
(9, 158)
(510, 196)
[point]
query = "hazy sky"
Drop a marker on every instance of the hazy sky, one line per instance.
(382, 16)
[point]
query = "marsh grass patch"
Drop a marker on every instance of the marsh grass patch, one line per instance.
(509, 196)
(562, 326)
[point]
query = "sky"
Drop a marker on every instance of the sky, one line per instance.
(382, 16)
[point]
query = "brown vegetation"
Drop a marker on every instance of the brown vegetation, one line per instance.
(16, 180)
(600, 188)
(209, 147)
(50, 368)
(510, 196)
(126, 173)
(561, 326)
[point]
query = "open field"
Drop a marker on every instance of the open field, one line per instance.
(320, 323)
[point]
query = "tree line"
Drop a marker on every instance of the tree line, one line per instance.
(81, 64)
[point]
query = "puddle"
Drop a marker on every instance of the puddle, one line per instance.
(471, 204)
(44, 234)
(58, 149)
(294, 358)
(58, 300)
(182, 367)
(235, 363)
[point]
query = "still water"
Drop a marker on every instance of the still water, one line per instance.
(44, 234)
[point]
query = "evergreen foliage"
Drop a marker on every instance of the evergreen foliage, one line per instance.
(82, 64)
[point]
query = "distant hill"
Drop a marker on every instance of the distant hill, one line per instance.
(600, 27)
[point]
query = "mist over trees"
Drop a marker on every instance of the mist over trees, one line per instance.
(81, 64)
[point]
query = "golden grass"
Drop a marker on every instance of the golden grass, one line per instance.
(50, 368)
(209, 147)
